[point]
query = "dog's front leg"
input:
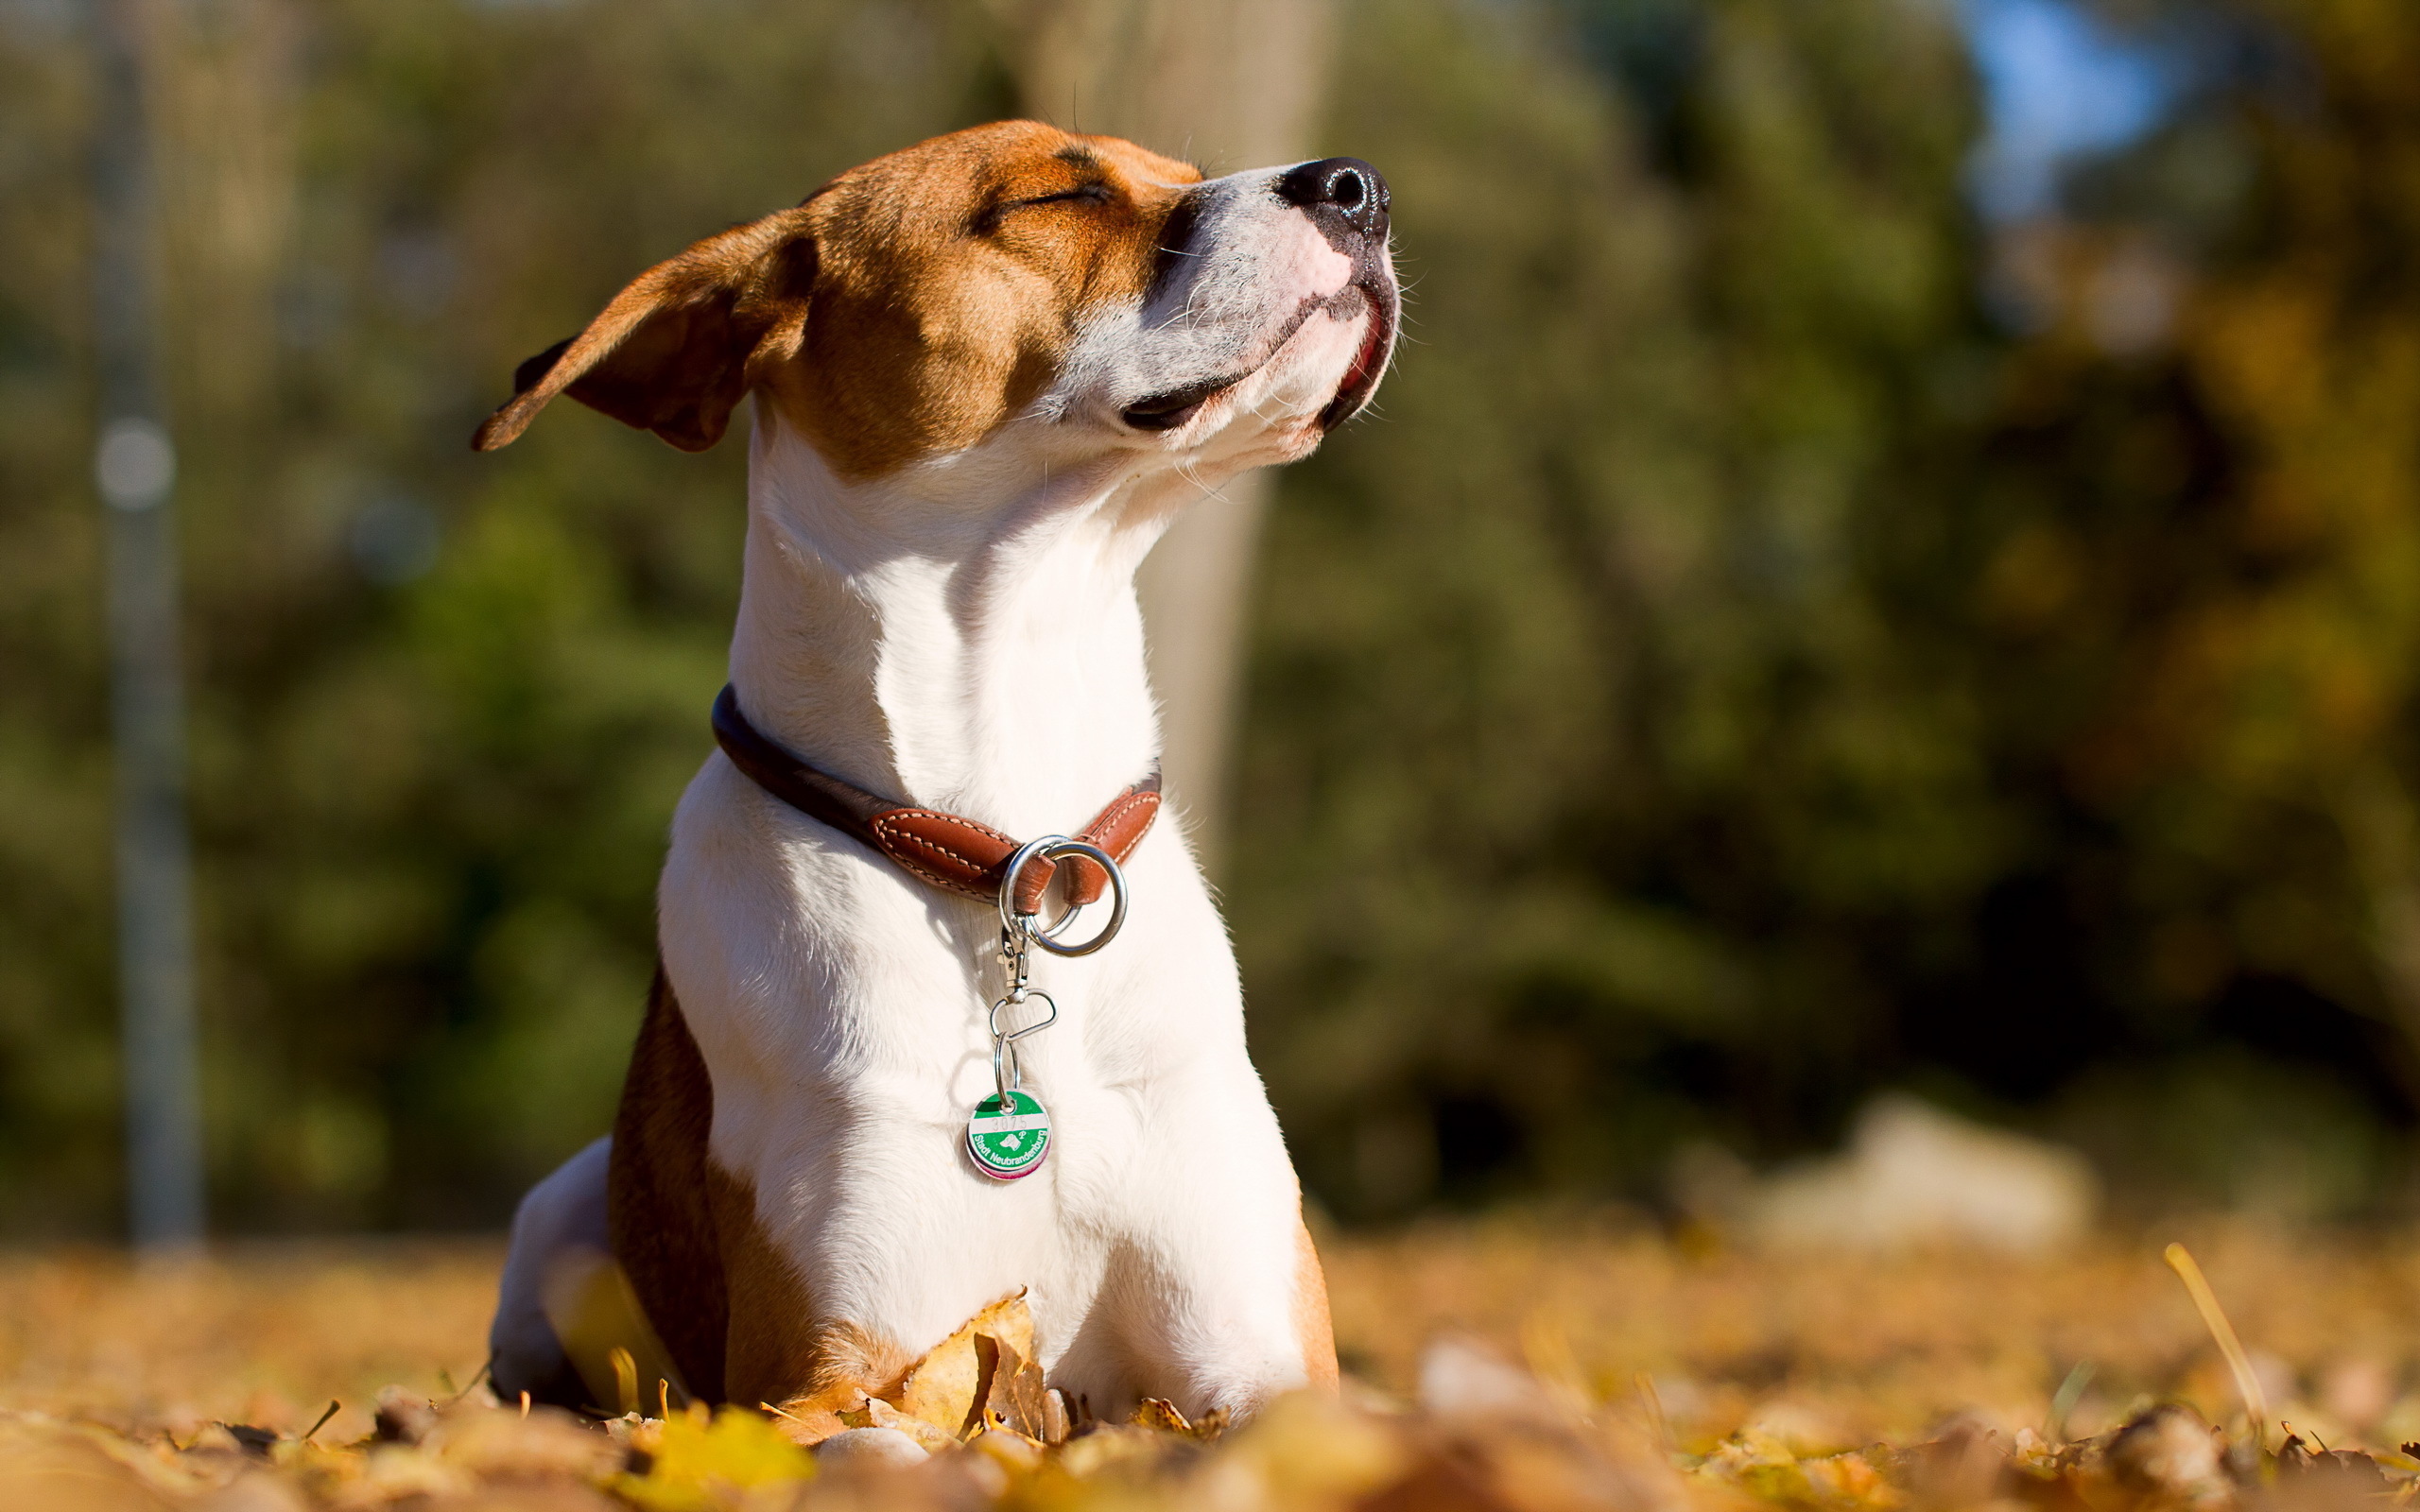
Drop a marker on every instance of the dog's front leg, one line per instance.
(1219, 1285)
(865, 1241)
(780, 1351)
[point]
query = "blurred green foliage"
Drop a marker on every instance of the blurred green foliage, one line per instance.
(1598, 798)
(1745, 675)
(442, 705)
(1777, 639)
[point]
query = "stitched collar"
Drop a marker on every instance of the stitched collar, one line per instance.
(943, 849)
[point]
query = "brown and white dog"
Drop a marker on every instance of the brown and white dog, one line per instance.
(988, 371)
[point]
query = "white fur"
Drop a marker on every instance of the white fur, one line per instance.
(964, 634)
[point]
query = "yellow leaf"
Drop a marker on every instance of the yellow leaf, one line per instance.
(699, 1463)
(605, 1332)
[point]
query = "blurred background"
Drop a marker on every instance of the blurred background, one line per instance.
(1885, 584)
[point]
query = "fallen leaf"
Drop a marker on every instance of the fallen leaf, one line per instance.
(696, 1462)
(951, 1384)
(931, 1437)
(1017, 1394)
(1162, 1414)
(620, 1360)
(1012, 1450)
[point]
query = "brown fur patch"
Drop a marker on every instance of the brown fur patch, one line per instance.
(734, 1313)
(1311, 1322)
(657, 1212)
(848, 1366)
(907, 309)
(775, 1351)
(676, 351)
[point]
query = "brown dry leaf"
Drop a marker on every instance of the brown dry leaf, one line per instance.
(2170, 1454)
(1162, 1414)
(950, 1385)
(877, 1413)
(809, 1421)
(1118, 1451)
(1015, 1393)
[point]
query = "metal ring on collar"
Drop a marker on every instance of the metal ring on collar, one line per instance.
(1035, 1027)
(1056, 848)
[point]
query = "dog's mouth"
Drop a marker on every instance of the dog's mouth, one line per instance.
(1168, 411)
(1370, 363)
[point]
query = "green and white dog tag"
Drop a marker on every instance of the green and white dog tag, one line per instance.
(1009, 1140)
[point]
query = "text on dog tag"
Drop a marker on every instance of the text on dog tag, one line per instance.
(1009, 1142)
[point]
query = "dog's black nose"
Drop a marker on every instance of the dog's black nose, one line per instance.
(1349, 186)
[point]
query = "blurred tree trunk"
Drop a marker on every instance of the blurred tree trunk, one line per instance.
(1228, 84)
(228, 130)
(134, 463)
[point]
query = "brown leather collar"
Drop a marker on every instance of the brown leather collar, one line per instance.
(941, 849)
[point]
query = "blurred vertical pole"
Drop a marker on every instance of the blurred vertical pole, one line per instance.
(1228, 84)
(135, 464)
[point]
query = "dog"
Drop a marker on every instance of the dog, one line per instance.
(988, 372)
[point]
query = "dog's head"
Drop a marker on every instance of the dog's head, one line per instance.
(1080, 289)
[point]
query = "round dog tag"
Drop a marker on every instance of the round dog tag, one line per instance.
(1009, 1142)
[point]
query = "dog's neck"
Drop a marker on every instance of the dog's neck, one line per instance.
(963, 637)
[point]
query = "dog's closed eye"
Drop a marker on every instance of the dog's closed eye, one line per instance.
(1089, 194)
(1085, 196)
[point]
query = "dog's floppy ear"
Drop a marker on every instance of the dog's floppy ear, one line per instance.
(676, 351)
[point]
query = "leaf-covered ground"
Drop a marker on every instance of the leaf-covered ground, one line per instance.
(1515, 1365)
